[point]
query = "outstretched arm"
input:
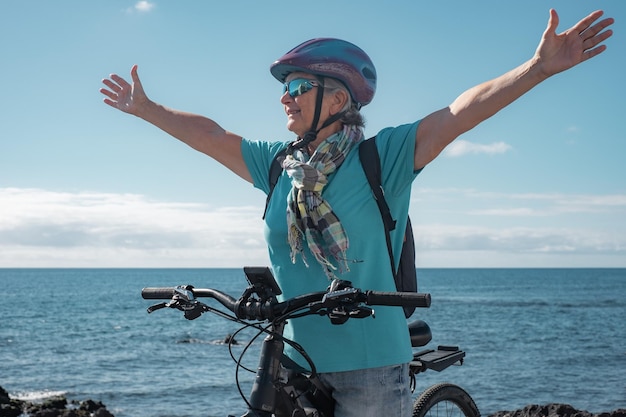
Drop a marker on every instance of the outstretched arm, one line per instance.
(199, 132)
(555, 53)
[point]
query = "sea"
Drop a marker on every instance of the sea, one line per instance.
(532, 336)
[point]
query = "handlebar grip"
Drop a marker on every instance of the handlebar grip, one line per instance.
(157, 293)
(400, 299)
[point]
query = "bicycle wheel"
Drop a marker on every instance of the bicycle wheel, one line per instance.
(445, 400)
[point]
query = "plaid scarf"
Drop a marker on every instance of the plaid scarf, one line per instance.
(309, 216)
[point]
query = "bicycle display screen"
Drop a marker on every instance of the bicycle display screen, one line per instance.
(262, 275)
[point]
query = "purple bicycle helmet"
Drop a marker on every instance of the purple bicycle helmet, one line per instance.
(335, 58)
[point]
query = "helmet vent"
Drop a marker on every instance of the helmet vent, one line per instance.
(367, 73)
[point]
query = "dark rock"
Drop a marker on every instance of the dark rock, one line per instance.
(59, 402)
(8, 406)
(555, 410)
(4, 396)
(52, 407)
(620, 412)
(550, 410)
(90, 406)
(102, 412)
(46, 412)
(7, 410)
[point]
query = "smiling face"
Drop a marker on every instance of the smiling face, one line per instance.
(300, 109)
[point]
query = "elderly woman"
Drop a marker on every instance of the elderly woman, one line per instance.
(322, 220)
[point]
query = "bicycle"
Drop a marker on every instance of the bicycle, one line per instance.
(281, 389)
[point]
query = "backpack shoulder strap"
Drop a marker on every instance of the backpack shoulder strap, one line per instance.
(276, 169)
(370, 161)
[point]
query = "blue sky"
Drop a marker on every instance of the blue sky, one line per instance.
(542, 184)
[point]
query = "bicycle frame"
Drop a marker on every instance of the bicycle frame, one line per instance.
(280, 392)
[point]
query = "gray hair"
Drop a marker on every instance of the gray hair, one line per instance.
(352, 116)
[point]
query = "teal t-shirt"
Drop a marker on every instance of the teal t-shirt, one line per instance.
(359, 343)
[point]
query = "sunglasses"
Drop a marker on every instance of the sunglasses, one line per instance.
(299, 86)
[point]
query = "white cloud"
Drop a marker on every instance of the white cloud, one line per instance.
(45, 228)
(509, 212)
(462, 147)
(144, 6)
(461, 246)
(40, 228)
(522, 204)
(467, 227)
(518, 239)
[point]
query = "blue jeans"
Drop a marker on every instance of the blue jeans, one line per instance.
(371, 392)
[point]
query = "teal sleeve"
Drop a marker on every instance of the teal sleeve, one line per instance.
(396, 147)
(258, 156)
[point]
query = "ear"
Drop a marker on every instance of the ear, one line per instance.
(338, 101)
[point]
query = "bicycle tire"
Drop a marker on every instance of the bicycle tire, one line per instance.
(445, 399)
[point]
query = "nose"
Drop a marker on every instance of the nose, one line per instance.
(286, 98)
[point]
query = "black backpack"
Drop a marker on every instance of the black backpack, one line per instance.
(406, 275)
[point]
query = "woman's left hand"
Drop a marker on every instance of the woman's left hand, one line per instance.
(559, 52)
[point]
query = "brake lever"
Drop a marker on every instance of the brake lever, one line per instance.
(157, 307)
(171, 304)
(362, 312)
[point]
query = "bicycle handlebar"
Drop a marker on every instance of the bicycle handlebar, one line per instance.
(166, 293)
(252, 308)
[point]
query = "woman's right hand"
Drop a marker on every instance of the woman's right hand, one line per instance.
(129, 98)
